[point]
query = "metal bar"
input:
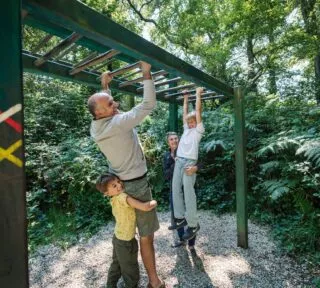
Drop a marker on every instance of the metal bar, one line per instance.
(92, 25)
(140, 79)
(179, 93)
(13, 219)
(241, 169)
(42, 42)
(58, 49)
(66, 51)
(94, 61)
(89, 57)
(176, 88)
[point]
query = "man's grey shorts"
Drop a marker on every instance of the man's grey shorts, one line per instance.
(147, 222)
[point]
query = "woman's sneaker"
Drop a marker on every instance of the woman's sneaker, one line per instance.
(178, 223)
(178, 243)
(190, 232)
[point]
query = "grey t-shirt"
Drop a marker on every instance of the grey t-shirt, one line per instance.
(118, 140)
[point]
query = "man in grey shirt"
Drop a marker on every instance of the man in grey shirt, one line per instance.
(117, 139)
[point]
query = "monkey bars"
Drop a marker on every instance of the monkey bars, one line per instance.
(108, 44)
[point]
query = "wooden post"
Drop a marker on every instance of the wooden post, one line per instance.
(13, 224)
(241, 169)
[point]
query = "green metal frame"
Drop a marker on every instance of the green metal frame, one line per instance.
(79, 18)
(13, 239)
(241, 169)
(98, 34)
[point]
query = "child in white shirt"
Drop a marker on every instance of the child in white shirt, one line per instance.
(184, 200)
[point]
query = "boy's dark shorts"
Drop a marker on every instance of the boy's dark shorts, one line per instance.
(147, 222)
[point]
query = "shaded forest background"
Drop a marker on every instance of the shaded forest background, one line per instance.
(270, 48)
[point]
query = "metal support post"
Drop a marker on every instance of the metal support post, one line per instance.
(13, 222)
(241, 169)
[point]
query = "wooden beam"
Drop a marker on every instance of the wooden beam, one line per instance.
(176, 88)
(130, 74)
(87, 58)
(42, 42)
(92, 25)
(206, 98)
(104, 64)
(66, 51)
(58, 49)
(157, 84)
(205, 94)
(125, 69)
(140, 79)
(107, 55)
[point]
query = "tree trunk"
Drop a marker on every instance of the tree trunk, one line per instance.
(251, 74)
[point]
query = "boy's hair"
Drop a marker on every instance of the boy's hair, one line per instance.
(104, 180)
(171, 133)
(191, 115)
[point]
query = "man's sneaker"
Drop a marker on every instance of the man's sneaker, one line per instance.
(178, 224)
(190, 232)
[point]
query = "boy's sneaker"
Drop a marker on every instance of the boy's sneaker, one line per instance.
(190, 232)
(178, 223)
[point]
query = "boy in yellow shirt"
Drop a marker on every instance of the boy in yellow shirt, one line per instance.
(125, 246)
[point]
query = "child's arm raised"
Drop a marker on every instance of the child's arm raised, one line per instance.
(185, 105)
(143, 206)
(199, 91)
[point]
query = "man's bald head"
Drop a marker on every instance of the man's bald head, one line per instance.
(101, 105)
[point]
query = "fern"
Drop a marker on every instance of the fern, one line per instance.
(278, 188)
(269, 166)
(279, 146)
(212, 145)
(311, 150)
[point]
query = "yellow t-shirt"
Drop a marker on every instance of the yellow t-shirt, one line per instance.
(125, 217)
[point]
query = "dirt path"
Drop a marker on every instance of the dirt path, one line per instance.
(217, 262)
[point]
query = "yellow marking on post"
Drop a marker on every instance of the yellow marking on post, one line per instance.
(7, 153)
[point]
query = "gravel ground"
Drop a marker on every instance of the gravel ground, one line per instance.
(216, 262)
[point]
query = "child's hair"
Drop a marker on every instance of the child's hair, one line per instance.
(191, 115)
(104, 180)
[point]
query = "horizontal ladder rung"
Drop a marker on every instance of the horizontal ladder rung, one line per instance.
(58, 49)
(107, 55)
(140, 79)
(176, 88)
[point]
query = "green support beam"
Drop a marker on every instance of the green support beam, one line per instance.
(173, 112)
(173, 116)
(241, 168)
(62, 32)
(58, 70)
(81, 19)
(13, 221)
